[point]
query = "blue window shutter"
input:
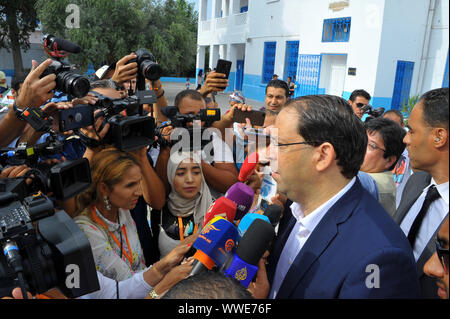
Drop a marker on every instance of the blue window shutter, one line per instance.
(336, 30)
(402, 84)
(269, 61)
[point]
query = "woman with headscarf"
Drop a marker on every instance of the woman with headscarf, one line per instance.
(186, 205)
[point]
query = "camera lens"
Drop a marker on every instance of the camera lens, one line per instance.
(151, 70)
(73, 84)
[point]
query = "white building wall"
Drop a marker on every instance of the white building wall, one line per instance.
(382, 32)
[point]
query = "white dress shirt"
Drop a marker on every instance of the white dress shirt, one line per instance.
(433, 218)
(299, 235)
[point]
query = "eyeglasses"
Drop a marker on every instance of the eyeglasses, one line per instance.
(442, 255)
(359, 105)
(274, 142)
(375, 146)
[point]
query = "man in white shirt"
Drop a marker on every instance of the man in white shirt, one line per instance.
(425, 200)
(338, 242)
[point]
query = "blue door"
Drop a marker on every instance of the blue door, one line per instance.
(239, 75)
(402, 84)
(291, 59)
(308, 74)
(269, 61)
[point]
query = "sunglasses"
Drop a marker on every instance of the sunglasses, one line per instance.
(442, 255)
(359, 105)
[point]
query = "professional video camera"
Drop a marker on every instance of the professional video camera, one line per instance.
(66, 80)
(178, 120)
(373, 113)
(147, 68)
(55, 254)
(64, 180)
(128, 132)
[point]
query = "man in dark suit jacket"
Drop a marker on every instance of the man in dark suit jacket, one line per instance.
(338, 242)
(427, 142)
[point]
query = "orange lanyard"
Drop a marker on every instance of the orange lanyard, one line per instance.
(99, 221)
(181, 228)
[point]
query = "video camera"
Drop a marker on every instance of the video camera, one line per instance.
(130, 128)
(54, 254)
(66, 80)
(64, 180)
(178, 120)
(373, 113)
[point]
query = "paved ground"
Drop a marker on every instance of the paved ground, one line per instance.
(172, 89)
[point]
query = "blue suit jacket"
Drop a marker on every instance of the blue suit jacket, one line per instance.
(354, 242)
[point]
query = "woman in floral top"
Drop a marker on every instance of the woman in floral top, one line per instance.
(104, 213)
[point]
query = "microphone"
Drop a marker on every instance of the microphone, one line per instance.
(274, 213)
(221, 207)
(242, 195)
(248, 167)
(243, 267)
(57, 44)
(248, 220)
(214, 244)
(169, 111)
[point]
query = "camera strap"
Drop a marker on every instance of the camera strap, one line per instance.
(88, 141)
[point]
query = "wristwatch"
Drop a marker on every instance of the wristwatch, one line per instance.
(17, 111)
(152, 294)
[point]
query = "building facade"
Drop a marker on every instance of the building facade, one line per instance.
(393, 49)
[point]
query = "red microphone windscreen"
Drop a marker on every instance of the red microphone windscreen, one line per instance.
(248, 167)
(221, 207)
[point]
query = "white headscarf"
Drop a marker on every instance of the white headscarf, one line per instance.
(180, 206)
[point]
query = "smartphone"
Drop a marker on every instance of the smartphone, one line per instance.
(76, 117)
(256, 117)
(223, 66)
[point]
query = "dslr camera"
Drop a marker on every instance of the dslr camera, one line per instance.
(147, 68)
(66, 80)
(373, 113)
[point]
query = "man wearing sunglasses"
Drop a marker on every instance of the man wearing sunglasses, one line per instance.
(425, 200)
(357, 100)
(437, 265)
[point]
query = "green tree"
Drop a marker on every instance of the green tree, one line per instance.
(107, 31)
(111, 29)
(18, 20)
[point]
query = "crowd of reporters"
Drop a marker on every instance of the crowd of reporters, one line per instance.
(146, 211)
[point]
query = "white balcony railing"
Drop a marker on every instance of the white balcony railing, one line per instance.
(205, 26)
(221, 23)
(240, 19)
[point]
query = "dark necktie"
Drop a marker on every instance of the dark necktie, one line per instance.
(432, 195)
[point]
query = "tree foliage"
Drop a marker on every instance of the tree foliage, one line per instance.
(110, 29)
(17, 21)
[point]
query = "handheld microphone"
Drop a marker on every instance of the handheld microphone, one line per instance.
(274, 213)
(57, 44)
(242, 195)
(248, 167)
(248, 220)
(221, 207)
(243, 267)
(214, 244)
